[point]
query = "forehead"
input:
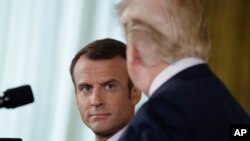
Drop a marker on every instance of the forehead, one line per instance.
(92, 71)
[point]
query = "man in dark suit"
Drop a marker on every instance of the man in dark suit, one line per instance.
(168, 48)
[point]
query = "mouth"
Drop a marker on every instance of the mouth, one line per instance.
(100, 115)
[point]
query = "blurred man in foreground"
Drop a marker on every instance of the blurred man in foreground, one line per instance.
(168, 48)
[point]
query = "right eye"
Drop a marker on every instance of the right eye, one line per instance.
(86, 89)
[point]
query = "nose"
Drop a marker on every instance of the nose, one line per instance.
(96, 98)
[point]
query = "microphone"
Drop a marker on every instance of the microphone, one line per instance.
(15, 97)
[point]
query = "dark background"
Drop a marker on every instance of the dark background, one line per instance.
(229, 27)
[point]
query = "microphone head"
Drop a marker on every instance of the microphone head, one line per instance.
(18, 96)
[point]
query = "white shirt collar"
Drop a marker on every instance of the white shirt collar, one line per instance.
(172, 70)
(117, 135)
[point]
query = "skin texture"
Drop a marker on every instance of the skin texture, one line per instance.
(103, 96)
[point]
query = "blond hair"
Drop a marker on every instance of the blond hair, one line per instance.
(166, 29)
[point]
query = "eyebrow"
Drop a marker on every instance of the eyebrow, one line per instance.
(103, 83)
(83, 84)
(109, 81)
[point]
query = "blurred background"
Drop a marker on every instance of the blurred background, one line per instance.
(38, 39)
(229, 27)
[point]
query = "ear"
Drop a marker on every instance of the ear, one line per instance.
(134, 54)
(135, 95)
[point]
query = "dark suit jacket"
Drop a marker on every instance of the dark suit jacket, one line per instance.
(194, 105)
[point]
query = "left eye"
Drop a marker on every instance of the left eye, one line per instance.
(110, 86)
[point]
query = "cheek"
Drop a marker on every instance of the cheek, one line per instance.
(122, 105)
(83, 108)
(124, 111)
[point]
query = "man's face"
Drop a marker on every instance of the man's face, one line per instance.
(102, 94)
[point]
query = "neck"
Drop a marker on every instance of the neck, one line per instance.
(152, 72)
(100, 139)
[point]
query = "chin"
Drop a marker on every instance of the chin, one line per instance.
(99, 128)
(102, 132)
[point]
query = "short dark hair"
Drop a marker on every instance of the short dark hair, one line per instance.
(104, 49)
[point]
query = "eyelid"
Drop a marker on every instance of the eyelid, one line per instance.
(82, 86)
(114, 82)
